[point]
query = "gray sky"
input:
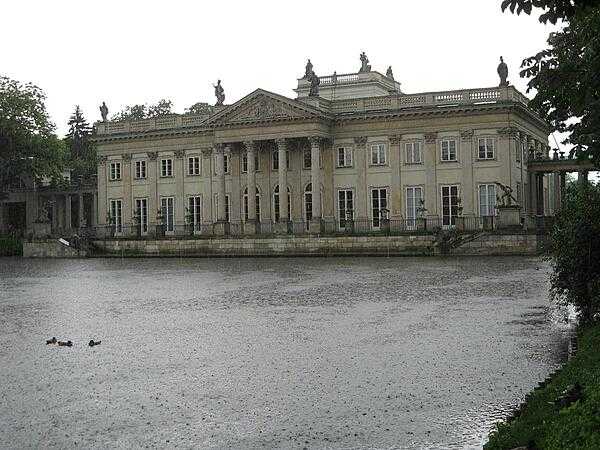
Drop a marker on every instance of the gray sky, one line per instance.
(126, 52)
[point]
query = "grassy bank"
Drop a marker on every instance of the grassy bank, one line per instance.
(543, 424)
(10, 246)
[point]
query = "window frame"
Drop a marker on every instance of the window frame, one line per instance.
(377, 221)
(139, 173)
(413, 145)
(486, 140)
(166, 163)
(115, 171)
(196, 168)
(449, 141)
(347, 157)
(487, 186)
(451, 222)
(342, 221)
(379, 162)
(412, 219)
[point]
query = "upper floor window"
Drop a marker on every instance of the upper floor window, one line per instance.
(307, 158)
(245, 162)
(378, 155)
(166, 167)
(225, 163)
(275, 159)
(448, 147)
(344, 157)
(140, 169)
(115, 171)
(194, 165)
(413, 153)
(486, 148)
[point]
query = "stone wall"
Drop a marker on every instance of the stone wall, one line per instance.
(499, 244)
(50, 249)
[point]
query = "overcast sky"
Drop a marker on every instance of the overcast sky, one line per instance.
(126, 52)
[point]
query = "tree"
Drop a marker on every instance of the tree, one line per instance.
(28, 146)
(81, 150)
(138, 112)
(162, 108)
(199, 108)
(575, 250)
(565, 75)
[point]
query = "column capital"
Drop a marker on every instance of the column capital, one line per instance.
(152, 156)
(467, 135)
(315, 140)
(360, 141)
(508, 132)
(102, 160)
(395, 139)
(179, 154)
(218, 148)
(431, 137)
(281, 142)
(126, 157)
(250, 145)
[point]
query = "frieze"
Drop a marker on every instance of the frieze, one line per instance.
(508, 132)
(430, 138)
(466, 135)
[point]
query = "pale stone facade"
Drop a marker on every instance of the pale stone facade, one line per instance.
(375, 153)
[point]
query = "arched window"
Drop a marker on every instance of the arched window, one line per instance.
(276, 203)
(246, 204)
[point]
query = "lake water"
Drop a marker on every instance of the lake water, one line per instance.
(271, 353)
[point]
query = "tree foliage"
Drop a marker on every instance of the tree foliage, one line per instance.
(28, 146)
(199, 108)
(566, 75)
(138, 112)
(82, 152)
(575, 250)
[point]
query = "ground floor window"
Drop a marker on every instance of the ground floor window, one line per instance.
(345, 207)
(379, 206)
(276, 204)
(141, 214)
(487, 200)
(227, 207)
(414, 200)
(256, 206)
(116, 215)
(167, 211)
(449, 205)
(194, 212)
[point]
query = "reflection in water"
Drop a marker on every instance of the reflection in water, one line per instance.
(285, 353)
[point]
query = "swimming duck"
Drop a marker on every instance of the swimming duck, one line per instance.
(65, 344)
(51, 341)
(92, 343)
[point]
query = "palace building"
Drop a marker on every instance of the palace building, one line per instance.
(349, 149)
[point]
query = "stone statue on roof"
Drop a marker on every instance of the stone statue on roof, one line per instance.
(364, 61)
(308, 70)
(103, 111)
(219, 93)
(314, 81)
(389, 73)
(503, 72)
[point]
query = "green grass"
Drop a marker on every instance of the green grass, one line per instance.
(549, 427)
(10, 246)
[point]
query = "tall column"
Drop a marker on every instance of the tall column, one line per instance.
(152, 174)
(430, 158)
(68, 218)
(315, 179)
(361, 206)
(468, 189)
(250, 226)
(180, 202)
(80, 211)
(126, 183)
(219, 151)
(539, 191)
(396, 187)
(282, 173)
(102, 200)
(94, 209)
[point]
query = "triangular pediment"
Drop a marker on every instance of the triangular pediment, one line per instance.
(264, 106)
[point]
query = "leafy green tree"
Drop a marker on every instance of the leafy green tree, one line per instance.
(162, 108)
(138, 112)
(565, 75)
(199, 108)
(82, 151)
(575, 250)
(29, 149)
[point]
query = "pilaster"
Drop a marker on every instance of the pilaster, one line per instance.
(102, 200)
(362, 201)
(152, 174)
(282, 181)
(430, 157)
(126, 183)
(396, 187)
(179, 172)
(467, 152)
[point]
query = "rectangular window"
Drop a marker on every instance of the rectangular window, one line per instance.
(487, 200)
(116, 216)
(448, 147)
(140, 169)
(194, 165)
(141, 215)
(307, 157)
(227, 205)
(378, 155)
(379, 202)
(166, 167)
(486, 148)
(344, 157)
(115, 171)
(167, 211)
(345, 207)
(275, 160)
(412, 151)
(256, 206)
(414, 204)
(194, 212)
(449, 205)
(245, 162)
(226, 162)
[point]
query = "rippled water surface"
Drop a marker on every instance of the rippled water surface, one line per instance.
(275, 353)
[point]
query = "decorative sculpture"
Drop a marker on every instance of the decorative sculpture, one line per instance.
(507, 198)
(334, 77)
(308, 70)
(503, 72)
(219, 93)
(389, 73)
(314, 84)
(104, 111)
(365, 67)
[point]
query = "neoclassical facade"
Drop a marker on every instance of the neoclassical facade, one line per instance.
(359, 152)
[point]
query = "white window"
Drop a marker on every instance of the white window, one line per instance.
(307, 158)
(245, 162)
(448, 147)
(256, 205)
(116, 216)
(344, 157)
(486, 148)
(412, 151)
(275, 159)
(227, 204)
(141, 215)
(140, 169)
(166, 167)
(449, 205)
(345, 207)
(414, 204)
(379, 206)
(378, 154)
(276, 204)
(487, 200)
(194, 212)
(194, 165)
(115, 171)
(167, 211)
